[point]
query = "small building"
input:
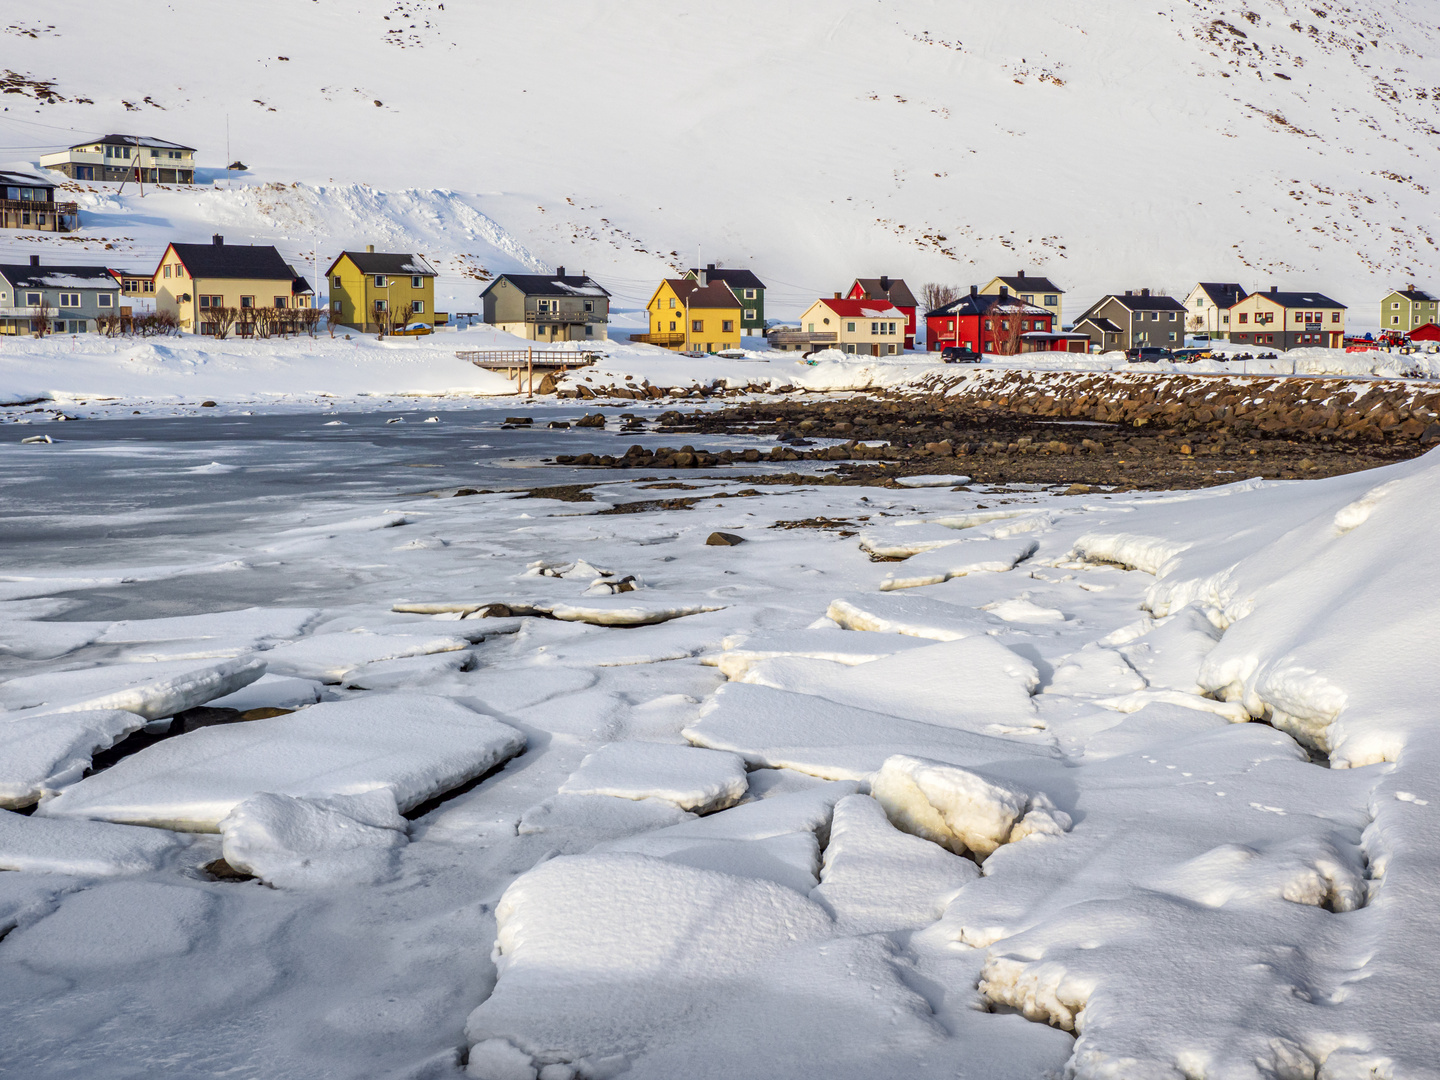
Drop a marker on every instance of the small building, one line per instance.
(1208, 308)
(60, 299)
(194, 278)
(547, 307)
(1288, 320)
(28, 201)
(1040, 291)
(748, 289)
(1133, 320)
(363, 283)
(135, 283)
(863, 327)
(693, 315)
(893, 291)
(1002, 324)
(1407, 309)
(1428, 332)
(125, 157)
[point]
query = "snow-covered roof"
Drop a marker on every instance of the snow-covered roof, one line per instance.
(133, 140)
(551, 284)
(388, 262)
(24, 276)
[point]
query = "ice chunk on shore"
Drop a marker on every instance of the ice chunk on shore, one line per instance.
(974, 683)
(902, 540)
(957, 809)
(41, 754)
(691, 778)
(256, 624)
(1169, 656)
(837, 646)
(915, 616)
(42, 845)
(877, 878)
(931, 480)
(781, 730)
(292, 842)
(328, 657)
(34, 640)
(959, 560)
(154, 691)
(416, 745)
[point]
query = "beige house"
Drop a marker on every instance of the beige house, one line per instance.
(864, 327)
(1040, 291)
(1207, 308)
(1288, 320)
(193, 278)
(126, 157)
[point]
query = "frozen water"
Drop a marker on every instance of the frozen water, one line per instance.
(296, 842)
(691, 778)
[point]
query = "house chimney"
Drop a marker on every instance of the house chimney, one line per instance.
(837, 296)
(218, 240)
(1144, 292)
(885, 283)
(1129, 293)
(974, 290)
(559, 271)
(710, 267)
(369, 249)
(1004, 292)
(701, 280)
(34, 260)
(1274, 288)
(1020, 274)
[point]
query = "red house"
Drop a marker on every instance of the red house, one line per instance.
(893, 290)
(1428, 332)
(994, 324)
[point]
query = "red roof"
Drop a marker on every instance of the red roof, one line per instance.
(864, 309)
(1428, 332)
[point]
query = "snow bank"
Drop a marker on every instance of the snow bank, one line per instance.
(41, 754)
(876, 878)
(915, 616)
(417, 746)
(40, 845)
(972, 557)
(291, 842)
(328, 657)
(153, 691)
(959, 810)
(689, 777)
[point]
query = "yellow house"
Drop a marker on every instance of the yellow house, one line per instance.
(364, 282)
(693, 316)
(193, 278)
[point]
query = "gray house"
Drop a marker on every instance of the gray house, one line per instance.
(56, 299)
(547, 307)
(1134, 320)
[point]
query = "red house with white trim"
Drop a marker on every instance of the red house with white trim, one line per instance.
(994, 324)
(893, 290)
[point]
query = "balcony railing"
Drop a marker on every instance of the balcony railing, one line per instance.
(802, 337)
(38, 207)
(564, 317)
(666, 340)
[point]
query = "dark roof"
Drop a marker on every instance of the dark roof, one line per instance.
(983, 304)
(300, 285)
(133, 140)
(20, 179)
(551, 284)
(1223, 293)
(1412, 294)
(1105, 326)
(898, 293)
(1138, 302)
(24, 276)
(715, 294)
(736, 279)
(397, 264)
(212, 260)
(1300, 299)
(1030, 284)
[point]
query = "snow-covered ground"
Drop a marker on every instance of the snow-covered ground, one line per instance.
(1137, 785)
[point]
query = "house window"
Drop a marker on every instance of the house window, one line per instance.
(989, 324)
(1334, 316)
(1395, 306)
(1244, 318)
(380, 281)
(727, 326)
(892, 330)
(1051, 300)
(1172, 316)
(247, 301)
(335, 308)
(338, 283)
(850, 328)
(104, 299)
(672, 326)
(672, 302)
(415, 281)
(1199, 302)
(32, 299)
(166, 271)
(750, 295)
(1004, 324)
(419, 307)
(697, 326)
(212, 301)
(749, 314)
(874, 328)
(69, 299)
(810, 328)
(589, 330)
(380, 305)
(1172, 335)
(589, 306)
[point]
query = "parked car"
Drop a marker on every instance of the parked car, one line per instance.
(1147, 354)
(954, 354)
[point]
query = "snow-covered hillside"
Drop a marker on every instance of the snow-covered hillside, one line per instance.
(1106, 145)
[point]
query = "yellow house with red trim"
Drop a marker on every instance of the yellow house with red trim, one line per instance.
(693, 315)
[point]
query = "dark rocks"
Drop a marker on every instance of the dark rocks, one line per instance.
(591, 420)
(723, 539)
(207, 404)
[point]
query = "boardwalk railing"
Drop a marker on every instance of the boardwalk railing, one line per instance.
(521, 364)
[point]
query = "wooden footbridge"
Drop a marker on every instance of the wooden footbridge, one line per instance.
(522, 364)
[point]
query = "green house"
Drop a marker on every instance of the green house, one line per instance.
(748, 289)
(1408, 309)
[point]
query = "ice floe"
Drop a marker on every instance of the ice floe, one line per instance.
(690, 777)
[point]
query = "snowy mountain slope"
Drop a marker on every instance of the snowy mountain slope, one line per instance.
(1107, 146)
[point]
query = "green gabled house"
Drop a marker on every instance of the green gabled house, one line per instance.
(748, 289)
(1408, 309)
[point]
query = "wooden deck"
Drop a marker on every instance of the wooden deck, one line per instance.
(521, 364)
